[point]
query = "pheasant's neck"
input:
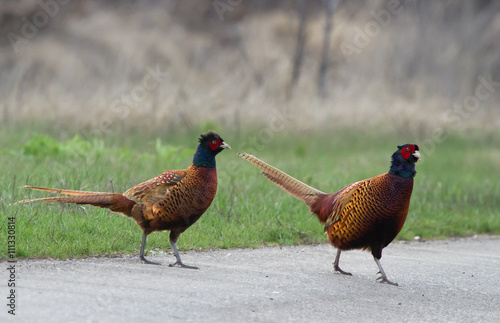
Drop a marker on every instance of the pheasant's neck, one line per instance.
(203, 158)
(402, 169)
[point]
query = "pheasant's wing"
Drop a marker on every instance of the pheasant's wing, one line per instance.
(155, 189)
(342, 204)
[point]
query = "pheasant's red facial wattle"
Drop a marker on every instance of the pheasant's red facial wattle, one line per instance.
(214, 144)
(410, 150)
(407, 151)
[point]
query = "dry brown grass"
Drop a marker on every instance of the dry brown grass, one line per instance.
(235, 72)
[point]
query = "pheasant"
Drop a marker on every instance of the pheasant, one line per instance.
(171, 201)
(364, 215)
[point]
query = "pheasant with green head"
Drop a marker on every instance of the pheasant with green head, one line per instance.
(172, 201)
(367, 214)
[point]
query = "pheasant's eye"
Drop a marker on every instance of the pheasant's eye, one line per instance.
(214, 144)
(407, 149)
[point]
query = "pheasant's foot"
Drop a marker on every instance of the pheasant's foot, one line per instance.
(180, 264)
(384, 279)
(145, 261)
(337, 269)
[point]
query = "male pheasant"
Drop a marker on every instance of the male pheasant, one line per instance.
(365, 215)
(171, 201)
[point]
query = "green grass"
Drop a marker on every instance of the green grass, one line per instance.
(456, 190)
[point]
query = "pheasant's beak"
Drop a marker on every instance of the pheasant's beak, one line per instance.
(224, 145)
(416, 154)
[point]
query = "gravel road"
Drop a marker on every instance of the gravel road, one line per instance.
(439, 281)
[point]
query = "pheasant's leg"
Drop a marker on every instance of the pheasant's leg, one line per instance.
(336, 264)
(141, 253)
(179, 262)
(383, 276)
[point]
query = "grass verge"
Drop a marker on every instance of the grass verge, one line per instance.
(456, 189)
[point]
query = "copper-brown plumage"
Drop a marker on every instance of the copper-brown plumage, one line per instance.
(367, 214)
(171, 201)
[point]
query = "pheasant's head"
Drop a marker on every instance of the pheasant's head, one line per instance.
(212, 142)
(409, 152)
(210, 145)
(404, 159)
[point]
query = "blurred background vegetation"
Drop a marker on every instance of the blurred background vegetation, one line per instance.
(102, 95)
(396, 65)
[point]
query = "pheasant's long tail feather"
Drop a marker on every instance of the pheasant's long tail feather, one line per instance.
(116, 202)
(286, 182)
(61, 191)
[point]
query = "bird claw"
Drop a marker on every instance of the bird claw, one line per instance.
(383, 280)
(147, 262)
(337, 269)
(180, 264)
